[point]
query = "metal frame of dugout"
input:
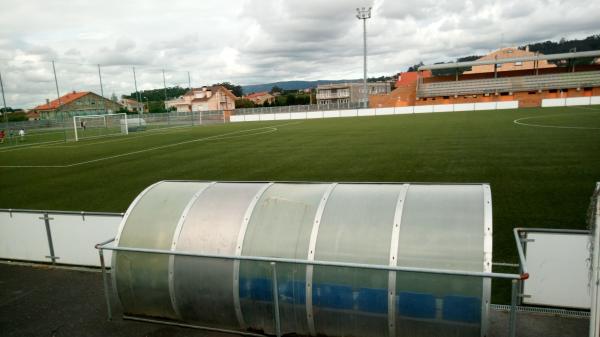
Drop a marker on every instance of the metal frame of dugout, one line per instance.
(272, 291)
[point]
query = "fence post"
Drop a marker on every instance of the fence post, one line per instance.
(105, 281)
(47, 219)
(276, 300)
(512, 323)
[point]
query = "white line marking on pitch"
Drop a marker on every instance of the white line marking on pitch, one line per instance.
(227, 135)
(29, 146)
(518, 122)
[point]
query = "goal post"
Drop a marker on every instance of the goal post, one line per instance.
(94, 126)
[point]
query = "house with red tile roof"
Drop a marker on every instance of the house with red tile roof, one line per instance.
(132, 105)
(75, 103)
(259, 98)
(212, 98)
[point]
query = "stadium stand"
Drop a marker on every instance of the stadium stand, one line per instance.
(518, 75)
(511, 84)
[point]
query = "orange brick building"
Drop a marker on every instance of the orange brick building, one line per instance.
(506, 53)
(508, 74)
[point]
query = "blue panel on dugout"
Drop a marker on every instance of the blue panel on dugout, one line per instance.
(293, 292)
(372, 300)
(417, 305)
(462, 309)
(333, 296)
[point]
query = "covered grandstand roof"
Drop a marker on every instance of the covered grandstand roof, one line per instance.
(562, 56)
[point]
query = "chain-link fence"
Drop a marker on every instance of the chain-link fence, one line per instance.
(61, 129)
(31, 132)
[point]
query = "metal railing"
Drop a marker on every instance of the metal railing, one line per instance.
(516, 279)
(297, 108)
(510, 84)
(332, 95)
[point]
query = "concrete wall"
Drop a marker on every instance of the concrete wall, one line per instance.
(26, 236)
(377, 111)
(570, 101)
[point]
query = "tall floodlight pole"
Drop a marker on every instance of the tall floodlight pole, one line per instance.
(56, 84)
(101, 88)
(364, 14)
(165, 87)
(189, 81)
(136, 90)
(5, 113)
(59, 103)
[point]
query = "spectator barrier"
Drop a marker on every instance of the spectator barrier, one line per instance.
(55, 236)
(375, 111)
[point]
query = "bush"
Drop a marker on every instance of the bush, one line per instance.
(17, 117)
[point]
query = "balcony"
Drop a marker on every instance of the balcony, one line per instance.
(333, 95)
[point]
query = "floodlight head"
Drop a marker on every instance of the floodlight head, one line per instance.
(363, 13)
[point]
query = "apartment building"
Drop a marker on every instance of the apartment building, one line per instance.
(204, 99)
(344, 93)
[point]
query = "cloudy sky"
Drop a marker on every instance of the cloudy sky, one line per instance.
(256, 41)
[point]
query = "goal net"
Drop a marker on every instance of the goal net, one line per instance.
(94, 126)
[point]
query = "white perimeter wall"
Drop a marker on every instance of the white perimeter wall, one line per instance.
(550, 102)
(570, 101)
(23, 236)
(376, 112)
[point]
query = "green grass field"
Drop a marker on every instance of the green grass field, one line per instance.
(540, 176)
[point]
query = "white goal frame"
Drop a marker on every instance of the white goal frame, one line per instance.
(124, 128)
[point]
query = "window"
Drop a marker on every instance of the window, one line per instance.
(518, 63)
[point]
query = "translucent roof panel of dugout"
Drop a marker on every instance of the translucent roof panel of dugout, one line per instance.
(142, 279)
(211, 226)
(443, 227)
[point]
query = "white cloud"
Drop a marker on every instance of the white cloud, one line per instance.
(253, 41)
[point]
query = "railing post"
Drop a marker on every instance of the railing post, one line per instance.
(512, 323)
(105, 281)
(276, 300)
(47, 219)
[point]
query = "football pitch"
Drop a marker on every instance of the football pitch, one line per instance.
(542, 164)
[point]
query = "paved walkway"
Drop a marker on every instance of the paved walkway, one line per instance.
(46, 301)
